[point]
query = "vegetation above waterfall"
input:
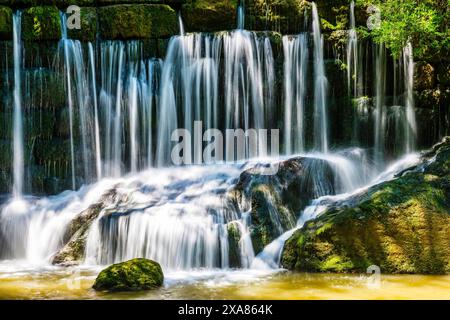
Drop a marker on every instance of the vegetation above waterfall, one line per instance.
(423, 22)
(132, 275)
(402, 226)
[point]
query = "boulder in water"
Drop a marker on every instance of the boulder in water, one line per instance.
(402, 226)
(132, 275)
(274, 201)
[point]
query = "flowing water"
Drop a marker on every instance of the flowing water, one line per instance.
(18, 159)
(123, 108)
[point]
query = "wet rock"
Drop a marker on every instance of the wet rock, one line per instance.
(275, 200)
(137, 21)
(234, 236)
(41, 23)
(287, 16)
(132, 275)
(76, 235)
(402, 226)
(209, 16)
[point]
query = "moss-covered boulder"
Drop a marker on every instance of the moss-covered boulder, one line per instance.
(5, 23)
(209, 16)
(41, 23)
(132, 275)
(137, 21)
(402, 226)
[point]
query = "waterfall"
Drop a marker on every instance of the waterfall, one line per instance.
(411, 127)
(270, 257)
(380, 108)
(354, 72)
(320, 88)
(18, 159)
(98, 157)
(240, 17)
(295, 87)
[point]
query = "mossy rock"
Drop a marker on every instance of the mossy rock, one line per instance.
(59, 3)
(275, 200)
(41, 23)
(5, 23)
(88, 21)
(285, 16)
(139, 21)
(133, 275)
(402, 226)
(209, 16)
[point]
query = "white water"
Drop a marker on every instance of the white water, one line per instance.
(270, 257)
(296, 56)
(18, 159)
(178, 216)
(411, 129)
(320, 88)
(354, 63)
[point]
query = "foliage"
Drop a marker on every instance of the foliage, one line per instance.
(423, 22)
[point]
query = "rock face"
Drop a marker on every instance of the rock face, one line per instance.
(132, 275)
(5, 22)
(41, 23)
(209, 16)
(402, 226)
(137, 21)
(275, 200)
(75, 238)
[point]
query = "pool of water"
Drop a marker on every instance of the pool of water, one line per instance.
(23, 282)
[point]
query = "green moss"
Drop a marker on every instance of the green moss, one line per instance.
(41, 23)
(403, 226)
(138, 21)
(5, 23)
(287, 16)
(209, 16)
(132, 275)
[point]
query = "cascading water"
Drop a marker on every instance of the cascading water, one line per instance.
(296, 55)
(320, 88)
(411, 127)
(380, 108)
(123, 108)
(354, 66)
(18, 159)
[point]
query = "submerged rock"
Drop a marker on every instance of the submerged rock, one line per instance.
(132, 275)
(402, 226)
